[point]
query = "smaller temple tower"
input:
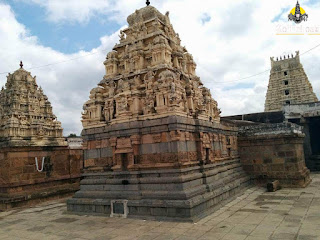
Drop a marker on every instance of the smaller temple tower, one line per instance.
(36, 162)
(288, 84)
(26, 117)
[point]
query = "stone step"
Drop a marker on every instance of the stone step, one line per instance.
(183, 195)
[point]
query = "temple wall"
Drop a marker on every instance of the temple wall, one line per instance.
(168, 168)
(274, 152)
(172, 141)
(21, 183)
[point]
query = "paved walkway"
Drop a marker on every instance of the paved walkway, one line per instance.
(257, 215)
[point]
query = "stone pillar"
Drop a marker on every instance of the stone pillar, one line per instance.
(135, 141)
(113, 144)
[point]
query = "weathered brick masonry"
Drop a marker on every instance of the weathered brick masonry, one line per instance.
(21, 183)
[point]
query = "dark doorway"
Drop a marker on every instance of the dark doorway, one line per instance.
(114, 109)
(207, 154)
(315, 135)
(124, 161)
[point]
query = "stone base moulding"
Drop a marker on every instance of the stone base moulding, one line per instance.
(174, 194)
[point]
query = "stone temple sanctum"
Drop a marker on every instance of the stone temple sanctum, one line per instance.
(153, 142)
(26, 116)
(35, 160)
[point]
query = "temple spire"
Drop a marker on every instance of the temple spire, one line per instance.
(148, 2)
(21, 64)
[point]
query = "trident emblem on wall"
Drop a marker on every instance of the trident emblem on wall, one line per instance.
(37, 164)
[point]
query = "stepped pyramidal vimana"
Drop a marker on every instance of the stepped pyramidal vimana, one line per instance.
(152, 131)
(26, 116)
(153, 144)
(35, 160)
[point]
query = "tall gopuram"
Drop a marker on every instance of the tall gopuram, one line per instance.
(154, 146)
(26, 117)
(288, 84)
(36, 162)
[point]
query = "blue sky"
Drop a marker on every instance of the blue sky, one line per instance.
(229, 40)
(66, 37)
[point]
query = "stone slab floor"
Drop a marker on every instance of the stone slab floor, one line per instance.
(256, 215)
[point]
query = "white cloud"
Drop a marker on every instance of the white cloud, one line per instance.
(72, 10)
(236, 40)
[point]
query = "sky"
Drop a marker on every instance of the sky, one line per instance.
(64, 43)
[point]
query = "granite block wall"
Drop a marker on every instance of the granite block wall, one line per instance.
(274, 152)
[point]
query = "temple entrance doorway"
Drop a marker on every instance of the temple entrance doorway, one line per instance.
(315, 135)
(124, 161)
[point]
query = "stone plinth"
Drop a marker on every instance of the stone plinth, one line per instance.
(274, 152)
(168, 168)
(22, 184)
(179, 194)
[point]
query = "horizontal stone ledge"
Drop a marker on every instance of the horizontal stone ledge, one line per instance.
(40, 181)
(162, 171)
(162, 124)
(190, 203)
(142, 178)
(225, 183)
(39, 194)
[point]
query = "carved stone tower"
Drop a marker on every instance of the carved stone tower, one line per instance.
(288, 84)
(153, 142)
(26, 117)
(148, 75)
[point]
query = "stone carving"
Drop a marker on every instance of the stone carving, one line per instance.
(148, 74)
(288, 84)
(123, 104)
(122, 36)
(26, 113)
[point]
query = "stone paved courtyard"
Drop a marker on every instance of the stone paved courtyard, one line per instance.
(256, 215)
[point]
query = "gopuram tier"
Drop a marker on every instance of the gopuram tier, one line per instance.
(288, 84)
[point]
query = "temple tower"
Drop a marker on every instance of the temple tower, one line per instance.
(26, 117)
(35, 160)
(148, 75)
(154, 145)
(288, 84)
